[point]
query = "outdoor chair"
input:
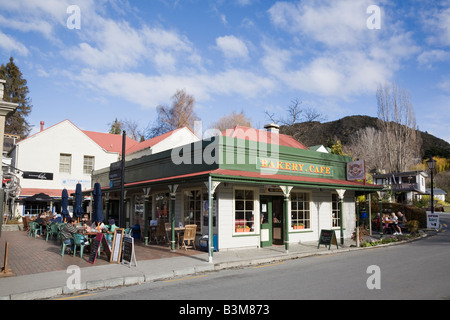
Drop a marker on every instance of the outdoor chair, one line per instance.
(160, 232)
(78, 241)
(52, 231)
(34, 229)
(189, 236)
(25, 221)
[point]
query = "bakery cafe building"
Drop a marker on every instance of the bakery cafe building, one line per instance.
(262, 189)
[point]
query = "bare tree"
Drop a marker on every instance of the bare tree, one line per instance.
(180, 114)
(231, 120)
(402, 141)
(368, 144)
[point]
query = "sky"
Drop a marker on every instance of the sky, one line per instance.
(94, 61)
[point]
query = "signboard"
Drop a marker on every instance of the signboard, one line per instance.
(94, 247)
(37, 175)
(106, 247)
(432, 220)
(272, 166)
(116, 250)
(128, 254)
(327, 237)
(356, 170)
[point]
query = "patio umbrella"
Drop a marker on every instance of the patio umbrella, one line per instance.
(78, 210)
(97, 215)
(64, 204)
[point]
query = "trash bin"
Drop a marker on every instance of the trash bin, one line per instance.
(203, 243)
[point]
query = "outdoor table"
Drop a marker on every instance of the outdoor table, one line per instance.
(178, 231)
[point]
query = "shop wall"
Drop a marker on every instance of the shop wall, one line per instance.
(227, 238)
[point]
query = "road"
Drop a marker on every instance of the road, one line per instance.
(415, 270)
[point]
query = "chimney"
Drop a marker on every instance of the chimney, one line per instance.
(272, 127)
(42, 125)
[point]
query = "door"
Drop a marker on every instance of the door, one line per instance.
(266, 221)
(277, 220)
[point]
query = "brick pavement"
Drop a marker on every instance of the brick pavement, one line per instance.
(29, 255)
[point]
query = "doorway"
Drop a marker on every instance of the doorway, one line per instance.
(272, 209)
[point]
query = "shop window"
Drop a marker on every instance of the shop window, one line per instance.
(162, 206)
(192, 207)
(335, 216)
(244, 203)
(300, 210)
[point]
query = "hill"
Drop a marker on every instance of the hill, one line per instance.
(316, 133)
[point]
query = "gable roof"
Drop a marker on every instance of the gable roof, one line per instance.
(150, 142)
(251, 134)
(111, 142)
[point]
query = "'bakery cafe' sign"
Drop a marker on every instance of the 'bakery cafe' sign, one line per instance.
(280, 166)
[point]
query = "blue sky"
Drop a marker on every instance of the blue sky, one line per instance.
(128, 57)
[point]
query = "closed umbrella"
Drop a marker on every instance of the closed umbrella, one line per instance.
(78, 210)
(64, 204)
(97, 215)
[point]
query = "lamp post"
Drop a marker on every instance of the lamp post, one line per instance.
(431, 165)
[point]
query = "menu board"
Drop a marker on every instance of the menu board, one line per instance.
(328, 237)
(94, 247)
(128, 254)
(116, 250)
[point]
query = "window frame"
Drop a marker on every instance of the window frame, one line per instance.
(64, 156)
(92, 166)
(245, 211)
(296, 211)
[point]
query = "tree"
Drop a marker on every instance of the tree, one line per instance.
(180, 114)
(116, 127)
(231, 120)
(402, 141)
(16, 91)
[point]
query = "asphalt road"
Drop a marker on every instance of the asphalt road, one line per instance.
(415, 270)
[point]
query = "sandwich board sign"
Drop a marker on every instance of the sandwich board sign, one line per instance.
(327, 237)
(116, 249)
(128, 254)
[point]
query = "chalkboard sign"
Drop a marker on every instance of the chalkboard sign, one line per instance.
(327, 237)
(94, 247)
(128, 254)
(116, 250)
(106, 247)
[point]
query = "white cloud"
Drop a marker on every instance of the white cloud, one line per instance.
(429, 57)
(12, 45)
(232, 47)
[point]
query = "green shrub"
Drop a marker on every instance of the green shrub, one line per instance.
(413, 225)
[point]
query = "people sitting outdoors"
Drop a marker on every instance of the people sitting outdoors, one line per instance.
(112, 225)
(68, 231)
(376, 222)
(394, 225)
(401, 220)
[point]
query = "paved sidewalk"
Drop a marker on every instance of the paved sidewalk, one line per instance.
(42, 273)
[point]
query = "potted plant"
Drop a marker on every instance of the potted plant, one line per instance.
(240, 228)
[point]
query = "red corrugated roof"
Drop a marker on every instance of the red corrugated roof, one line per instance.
(110, 142)
(150, 142)
(259, 135)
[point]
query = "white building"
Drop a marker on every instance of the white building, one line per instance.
(62, 155)
(405, 186)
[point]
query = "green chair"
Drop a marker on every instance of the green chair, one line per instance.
(34, 229)
(52, 231)
(128, 231)
(78, 241)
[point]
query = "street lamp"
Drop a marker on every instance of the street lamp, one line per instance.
(431, 164)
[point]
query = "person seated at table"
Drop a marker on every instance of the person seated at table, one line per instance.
(394, 225)
(56, 218)
(112, 225)
(85, 220)
(401, 219)
(99, 226)
(68, 231)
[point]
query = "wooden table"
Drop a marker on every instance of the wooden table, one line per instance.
(178, 231)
